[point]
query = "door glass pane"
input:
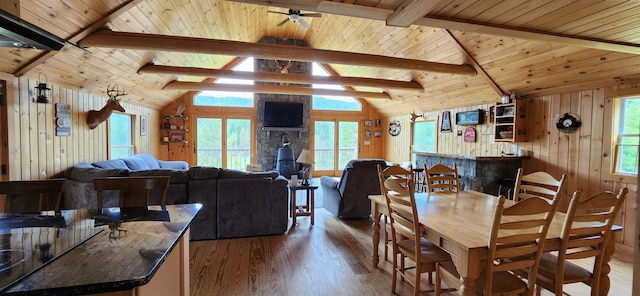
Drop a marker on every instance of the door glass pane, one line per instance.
(324, 142)
(348, 143)
(209, 141)
(238, 143)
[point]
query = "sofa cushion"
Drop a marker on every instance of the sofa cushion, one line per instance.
(136, 163)
(173, 164)
(203, 173)
(88, 174)
(235, 174)
(111, 164)
(151, 161)
(176, 177)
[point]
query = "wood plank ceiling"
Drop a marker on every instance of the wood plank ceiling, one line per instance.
(530, 47)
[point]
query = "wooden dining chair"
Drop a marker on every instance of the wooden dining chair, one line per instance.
(401, 176)
(407, 243)
(579, 241)
(33, 195)
(540, 184)
(516, 242)
(441, 177)
(132, 191)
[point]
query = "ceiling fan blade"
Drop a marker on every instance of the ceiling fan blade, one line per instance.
(283, 22)
(304, 23)
(278, 12)
(311, 14)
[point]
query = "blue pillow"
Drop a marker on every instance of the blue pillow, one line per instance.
(136, 163)
(111, 164)
(149, 159)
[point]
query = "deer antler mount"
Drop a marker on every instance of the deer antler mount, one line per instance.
(95, 118)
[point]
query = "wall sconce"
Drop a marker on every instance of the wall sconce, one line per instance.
(42, 90)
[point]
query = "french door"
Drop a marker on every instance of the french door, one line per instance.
(334, 144)
(224, 142)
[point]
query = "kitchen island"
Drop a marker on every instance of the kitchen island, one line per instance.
(111, 251)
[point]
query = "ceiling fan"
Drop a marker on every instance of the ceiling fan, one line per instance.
(295, 16)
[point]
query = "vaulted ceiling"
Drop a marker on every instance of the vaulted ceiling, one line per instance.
(532, 48)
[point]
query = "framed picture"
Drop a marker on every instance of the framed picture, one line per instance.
(377, 134)
(508, 111)
(445, 126)
(175, 137)
(143, 125)
(368, 123)
(470, 117)
(378, 122)
(367, 134)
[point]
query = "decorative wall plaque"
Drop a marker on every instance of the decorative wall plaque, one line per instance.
(470, 135)
(63, 119)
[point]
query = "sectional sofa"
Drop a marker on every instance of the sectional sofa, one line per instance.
(234, 203)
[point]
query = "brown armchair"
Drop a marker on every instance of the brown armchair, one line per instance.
(349, 197)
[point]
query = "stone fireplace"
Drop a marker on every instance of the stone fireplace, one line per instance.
(269, 139)
(479, 173)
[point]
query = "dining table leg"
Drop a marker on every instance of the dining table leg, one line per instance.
(469, 265)
(375, 235)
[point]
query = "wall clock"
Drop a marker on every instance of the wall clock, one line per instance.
(394, 128)
(568, 123)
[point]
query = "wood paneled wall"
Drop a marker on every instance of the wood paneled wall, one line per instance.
(35, 152)
(585, 156)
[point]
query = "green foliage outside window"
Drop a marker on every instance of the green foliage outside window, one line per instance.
(120, 135)
(424, 136)
(628, 136)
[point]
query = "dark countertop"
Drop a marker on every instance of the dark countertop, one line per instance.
(88, 251)
(476, 158)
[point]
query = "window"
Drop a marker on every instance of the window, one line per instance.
(228, 99)
(120, 135)
(337, 103)
(628, 136)
(424, 136)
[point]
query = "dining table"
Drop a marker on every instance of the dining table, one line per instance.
(460, 223)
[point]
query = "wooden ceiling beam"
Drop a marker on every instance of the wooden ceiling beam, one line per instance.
(285, 78)
(273, 89)
(44, 56)
(382, 14)
(143, 41)
(521, 33)
(409, 11)
(475, 64)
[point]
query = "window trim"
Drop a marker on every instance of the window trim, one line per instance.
(618, 137)
(611, 103)
(413, 155)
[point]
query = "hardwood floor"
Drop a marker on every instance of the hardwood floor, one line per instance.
(332, 257)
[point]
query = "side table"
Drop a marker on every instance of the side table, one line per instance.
(302, 209)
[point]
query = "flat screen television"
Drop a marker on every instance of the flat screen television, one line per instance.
(283, 114)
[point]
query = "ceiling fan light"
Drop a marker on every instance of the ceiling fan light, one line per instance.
(294, 18)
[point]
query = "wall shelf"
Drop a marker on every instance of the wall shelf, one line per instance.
(509, 123)
(282, 129)
(174, 129)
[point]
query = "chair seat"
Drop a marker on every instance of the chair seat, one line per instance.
(572, 272)
(430, 252)
(505, 283)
